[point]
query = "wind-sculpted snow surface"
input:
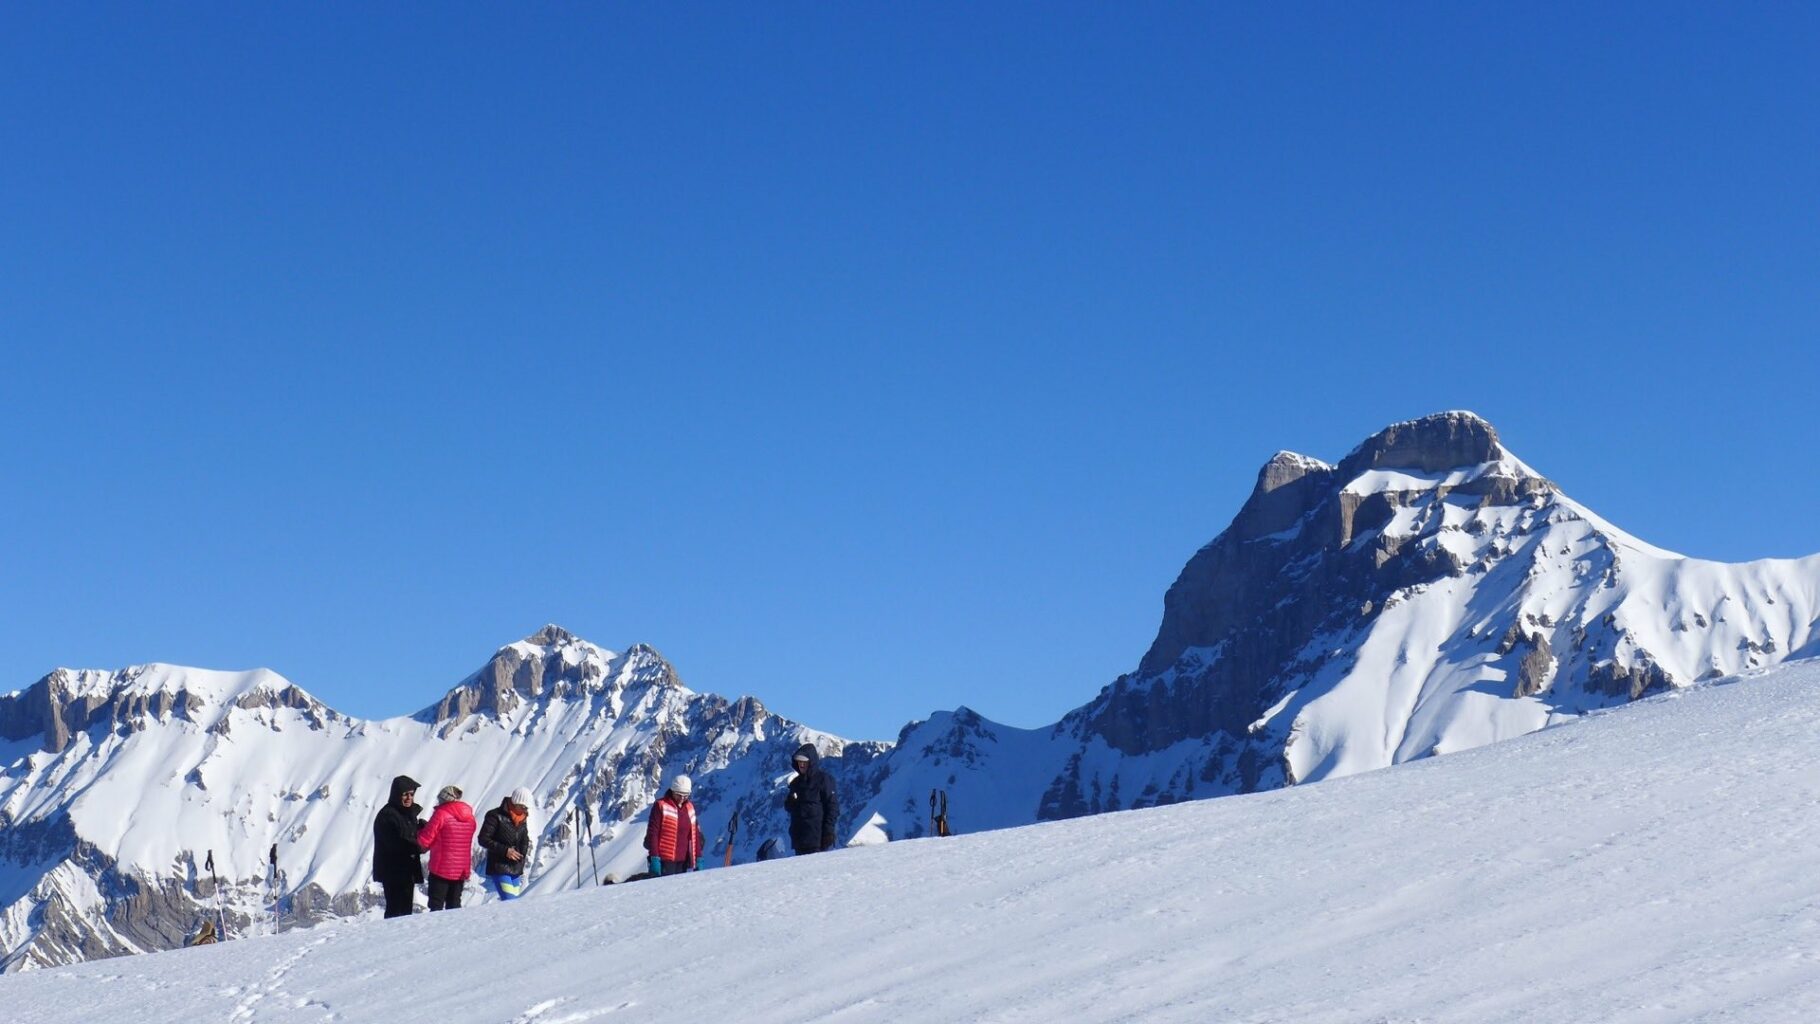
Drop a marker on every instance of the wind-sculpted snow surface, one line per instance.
(1648, 866)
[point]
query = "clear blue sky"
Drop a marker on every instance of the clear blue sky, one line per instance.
(870, 359)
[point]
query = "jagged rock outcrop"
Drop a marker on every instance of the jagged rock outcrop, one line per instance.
(64, 703)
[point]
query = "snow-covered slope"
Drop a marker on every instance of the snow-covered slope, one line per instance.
(1653, 865)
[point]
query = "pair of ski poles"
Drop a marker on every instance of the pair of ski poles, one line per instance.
(584, 822)
(271, 885)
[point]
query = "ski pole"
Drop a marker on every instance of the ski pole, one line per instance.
(272, 884)
(587, 817)
(220, 919)
(578, 846)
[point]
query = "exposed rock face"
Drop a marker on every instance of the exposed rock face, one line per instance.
(1431, 444)
(1259, 602)
(65, 703)
(1537, 668)
(537, 668)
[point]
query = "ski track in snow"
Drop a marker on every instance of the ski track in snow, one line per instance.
(1654, 864)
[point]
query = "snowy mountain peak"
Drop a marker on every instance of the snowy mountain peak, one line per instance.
(69, 702)
(1429, 593)
(552, 635)
(554, 664)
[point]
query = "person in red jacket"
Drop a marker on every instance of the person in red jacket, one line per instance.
(449, 836)
(672, 837)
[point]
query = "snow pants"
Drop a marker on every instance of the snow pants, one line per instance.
(507, 887)
(444, 893)
(399, 895)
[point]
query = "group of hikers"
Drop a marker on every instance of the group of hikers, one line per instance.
(673, 842)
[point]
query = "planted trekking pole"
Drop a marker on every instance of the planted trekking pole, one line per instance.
(587, 817)
(578, 845)
(220, 919)
(938, 812)
(271, 884)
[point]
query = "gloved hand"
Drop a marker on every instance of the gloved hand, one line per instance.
(656, 865)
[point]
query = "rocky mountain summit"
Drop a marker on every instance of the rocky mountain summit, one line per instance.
(1426, 594)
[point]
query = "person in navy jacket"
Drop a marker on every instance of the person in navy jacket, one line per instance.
(814, 808)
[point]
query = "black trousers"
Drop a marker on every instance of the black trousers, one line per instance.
(398, 893)
(444, 893)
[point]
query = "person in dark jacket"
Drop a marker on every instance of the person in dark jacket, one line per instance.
(814, 809)
(505, 835)
(397, 859)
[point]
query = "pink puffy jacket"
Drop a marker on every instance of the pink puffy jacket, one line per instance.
(449, 836)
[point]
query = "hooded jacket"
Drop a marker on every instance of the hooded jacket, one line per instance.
(396, 856)
(814, 808)
(500, 834)
(450, 839)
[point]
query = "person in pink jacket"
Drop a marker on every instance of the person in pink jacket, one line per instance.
(449, 836)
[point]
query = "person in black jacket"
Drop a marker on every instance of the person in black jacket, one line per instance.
(813, 807)
(397, 859)
(506, 836)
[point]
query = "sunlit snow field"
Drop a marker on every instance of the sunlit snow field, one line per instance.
(1656, 863)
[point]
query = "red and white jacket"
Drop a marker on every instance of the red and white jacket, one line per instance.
(449, 836)
(672, 833)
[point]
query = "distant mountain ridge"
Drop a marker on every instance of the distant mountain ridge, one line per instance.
(1428, 593)
(117, 785)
